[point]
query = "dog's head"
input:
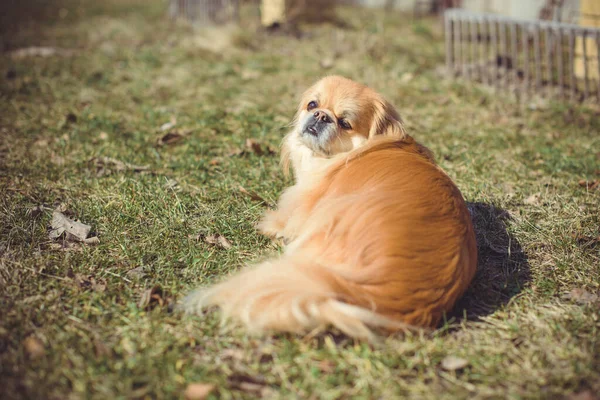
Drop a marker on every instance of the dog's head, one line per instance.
(337, 115)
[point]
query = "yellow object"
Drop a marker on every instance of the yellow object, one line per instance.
(272, 12)
(589, 15)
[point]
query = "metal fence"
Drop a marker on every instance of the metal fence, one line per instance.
(205, 11)
(528, 57)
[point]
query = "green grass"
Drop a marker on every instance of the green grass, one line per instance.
(134, 70)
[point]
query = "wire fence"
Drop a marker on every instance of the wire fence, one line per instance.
(205, 11)
(529, 57)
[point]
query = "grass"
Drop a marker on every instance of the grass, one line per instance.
(71, 323)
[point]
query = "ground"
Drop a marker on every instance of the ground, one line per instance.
(203, 111)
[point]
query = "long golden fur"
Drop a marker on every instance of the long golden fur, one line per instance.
(378, 235)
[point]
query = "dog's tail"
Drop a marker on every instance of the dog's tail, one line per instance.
(293, 294)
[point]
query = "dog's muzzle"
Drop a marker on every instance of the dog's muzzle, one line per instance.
(317, 123)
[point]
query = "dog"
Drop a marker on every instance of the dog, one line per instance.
(379, 238)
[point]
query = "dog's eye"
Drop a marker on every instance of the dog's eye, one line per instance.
(344, 124)
(311, 105)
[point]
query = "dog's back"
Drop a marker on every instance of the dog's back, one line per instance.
(384, 240)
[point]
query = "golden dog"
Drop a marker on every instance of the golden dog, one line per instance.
(378, 236)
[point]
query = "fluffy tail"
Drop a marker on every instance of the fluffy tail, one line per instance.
(292, 294)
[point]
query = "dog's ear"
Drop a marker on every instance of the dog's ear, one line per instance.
(386, 121)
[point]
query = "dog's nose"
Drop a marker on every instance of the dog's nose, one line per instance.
(321, 116)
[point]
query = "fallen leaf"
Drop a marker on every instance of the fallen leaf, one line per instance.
(39, 51)
(215, 161)
(254, 146)
(74, 231)
(247, 383)
(198, 391)
(453, 363)
(154, 297)
(253, 195)
(326, 63)
(107, 165)
(89, 282)
(590, 185)
(137, 272)
(532, 200)
(168, 125)
(218, 240)
(33, 347)
(236, 153)
(172, 137)
(92, 240)
(582, 296)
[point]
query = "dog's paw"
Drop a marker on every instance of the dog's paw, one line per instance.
(271, 225)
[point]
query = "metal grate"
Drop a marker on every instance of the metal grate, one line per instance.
(205, 11)
(529, 57)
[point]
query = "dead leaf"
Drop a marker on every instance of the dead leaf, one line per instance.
(168, 125)
(532, 200)
(249, 384)
(326, 63)
(137, 272)
(89, 282)
(198, 391)
(214, 161)
(236, 153)
(254, 146)
(172, 137)
(92, 240)
(34, 348)
(108, 165)
(590, 185)
(582, 296)
(252, 194)
(39, 51)
(218, 240)
(74, 231)
(453, 363)
(154, 297)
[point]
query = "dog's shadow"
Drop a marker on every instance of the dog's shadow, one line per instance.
(502, 270)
